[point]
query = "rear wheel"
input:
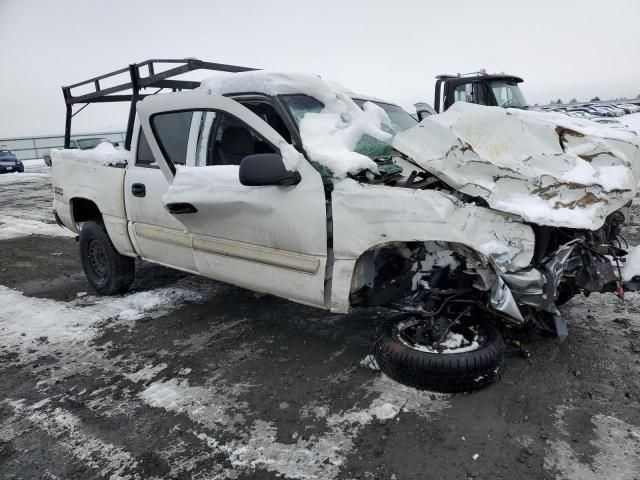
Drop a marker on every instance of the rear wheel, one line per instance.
(466, 357)
(107, 271)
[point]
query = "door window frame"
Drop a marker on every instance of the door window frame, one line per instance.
(213, 129)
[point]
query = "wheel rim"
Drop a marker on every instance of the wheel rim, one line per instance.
(97, 257)
(463, 337)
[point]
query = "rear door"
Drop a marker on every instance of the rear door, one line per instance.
(158, 235)
(270, 238)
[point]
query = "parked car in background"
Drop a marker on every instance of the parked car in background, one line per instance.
(82, 144)
(9, 162)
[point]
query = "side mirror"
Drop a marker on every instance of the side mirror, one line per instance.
(423, 110)
(115, 144)
(266, 169)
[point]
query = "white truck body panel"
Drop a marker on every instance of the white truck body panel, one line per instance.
(70, 179)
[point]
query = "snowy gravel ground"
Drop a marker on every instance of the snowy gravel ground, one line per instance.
(189, 378)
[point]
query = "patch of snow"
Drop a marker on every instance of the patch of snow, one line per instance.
(24, 321)
(631, 267)
(110, 461)
(16, 226)
(632, 121)
(329, 136)
(617, 444)
(26, 200)
(209, 182)
(146, 373)
(104, 154)
(211, 405)
(453, 343)
(370, 362)
(272, 83)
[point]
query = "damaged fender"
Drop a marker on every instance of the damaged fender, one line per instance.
(406, 215)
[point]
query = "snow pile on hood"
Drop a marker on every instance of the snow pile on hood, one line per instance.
(104, 154)
(330, 136)
(548, 168)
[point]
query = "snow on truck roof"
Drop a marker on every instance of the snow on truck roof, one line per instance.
(330, 134)
(273, 83)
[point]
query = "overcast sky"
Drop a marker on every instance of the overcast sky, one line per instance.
(391, 49)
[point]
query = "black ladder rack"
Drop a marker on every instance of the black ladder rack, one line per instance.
(159, 80)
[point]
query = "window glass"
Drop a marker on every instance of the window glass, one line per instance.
(460, 94)
(301, 105)
(172, 132)
(401, 120)
(508, 94)
(144, 157)
(233, 140)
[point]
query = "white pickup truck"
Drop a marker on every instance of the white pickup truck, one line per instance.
(478, 219)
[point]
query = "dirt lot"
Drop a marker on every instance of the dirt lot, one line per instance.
(189, 378)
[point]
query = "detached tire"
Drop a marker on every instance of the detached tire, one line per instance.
(440, 372)
(107, 271)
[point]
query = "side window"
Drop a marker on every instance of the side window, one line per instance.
(459, 94)
(172, 132)
(233, 140)
(144, 157)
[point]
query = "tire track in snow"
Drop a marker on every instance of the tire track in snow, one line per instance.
(110, 461)
(320, 456)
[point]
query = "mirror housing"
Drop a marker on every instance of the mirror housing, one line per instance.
(423, 110)
(262, 169)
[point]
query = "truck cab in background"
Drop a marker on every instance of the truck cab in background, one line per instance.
(496, 90)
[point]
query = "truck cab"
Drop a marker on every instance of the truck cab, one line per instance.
(481, 88)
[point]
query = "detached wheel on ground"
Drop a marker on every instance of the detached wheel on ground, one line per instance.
(467, 358)
(107, 271)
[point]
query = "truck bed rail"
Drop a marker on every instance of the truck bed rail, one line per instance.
(153, 79)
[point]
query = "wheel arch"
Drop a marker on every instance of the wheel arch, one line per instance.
(355, 275)
(84, 209)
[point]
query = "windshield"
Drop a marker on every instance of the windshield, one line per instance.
(508, 94)
(88, 143)
(300, 105)
(5, 153)
(401, 120)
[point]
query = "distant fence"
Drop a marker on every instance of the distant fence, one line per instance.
(27, 148)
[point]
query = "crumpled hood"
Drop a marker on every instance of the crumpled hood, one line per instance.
(548, 168)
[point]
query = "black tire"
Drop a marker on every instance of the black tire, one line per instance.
(107, 271)
(439, 372)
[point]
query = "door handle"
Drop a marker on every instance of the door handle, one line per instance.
(138, 190)
(181, 207)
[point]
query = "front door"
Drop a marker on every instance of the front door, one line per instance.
(270, 238)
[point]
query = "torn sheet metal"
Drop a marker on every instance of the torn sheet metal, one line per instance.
(548, 168)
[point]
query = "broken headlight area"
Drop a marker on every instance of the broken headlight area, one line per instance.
(423, 276)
